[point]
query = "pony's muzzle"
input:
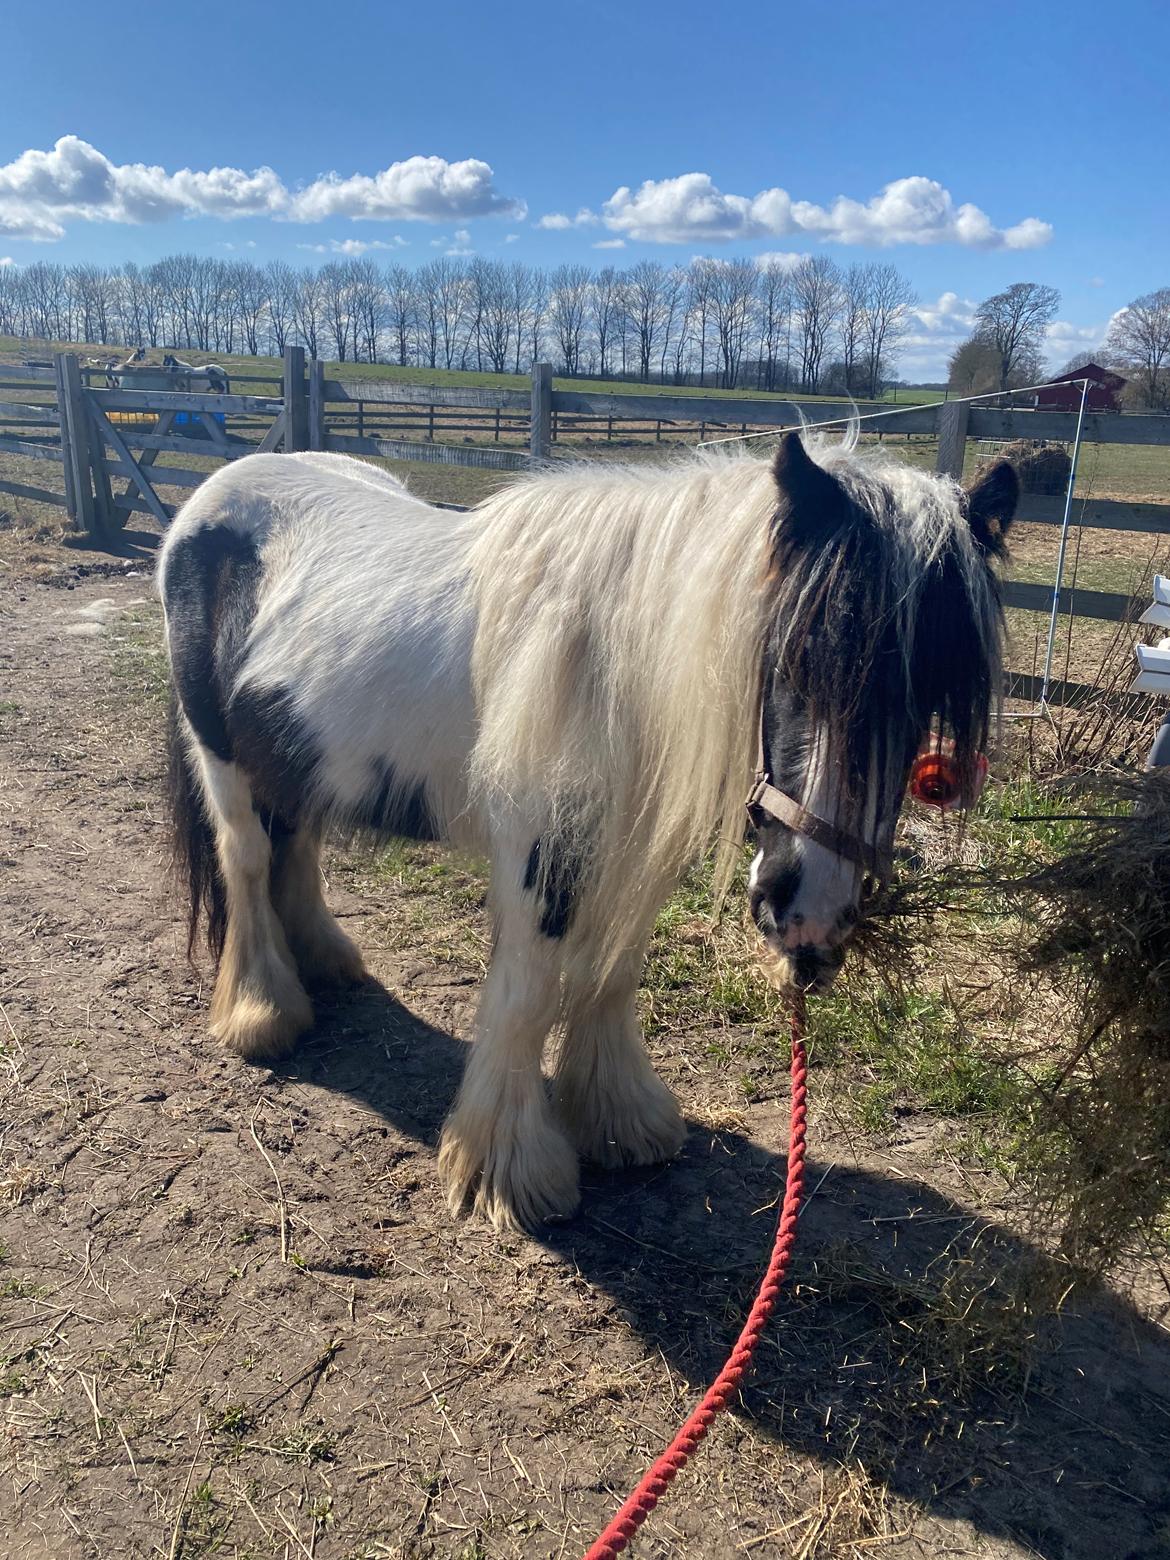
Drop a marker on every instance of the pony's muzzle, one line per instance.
(807, 967)
(800, 951)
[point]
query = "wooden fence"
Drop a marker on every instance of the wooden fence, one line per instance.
(109, 460)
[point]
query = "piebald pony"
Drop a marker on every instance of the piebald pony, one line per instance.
(568, 680)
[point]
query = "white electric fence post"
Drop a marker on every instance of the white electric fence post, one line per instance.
(1068, 500)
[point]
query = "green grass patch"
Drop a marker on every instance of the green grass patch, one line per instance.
(916, 1049)
(1021, 822)
(427, 872)
(700, 971)
(138, 658)
(306, 1444)
(235, 1421)
(22, 1289)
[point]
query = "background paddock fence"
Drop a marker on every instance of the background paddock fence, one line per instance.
(66, 422)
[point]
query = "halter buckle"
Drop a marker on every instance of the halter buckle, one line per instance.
(756, 811)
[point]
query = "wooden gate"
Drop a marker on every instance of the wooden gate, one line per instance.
(111, 463)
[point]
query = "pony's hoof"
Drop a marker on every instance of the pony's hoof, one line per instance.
(333, 962)
(513, 1183)
(635, 1123)
(259, 1030)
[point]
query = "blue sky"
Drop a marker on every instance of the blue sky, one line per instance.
(1013, 141)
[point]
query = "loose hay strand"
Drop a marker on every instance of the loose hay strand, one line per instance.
(282, 1209)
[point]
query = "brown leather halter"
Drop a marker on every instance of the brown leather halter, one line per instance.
(766, 801)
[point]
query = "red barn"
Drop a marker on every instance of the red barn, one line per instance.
(1063, 394)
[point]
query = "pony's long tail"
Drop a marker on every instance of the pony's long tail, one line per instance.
(196, 862)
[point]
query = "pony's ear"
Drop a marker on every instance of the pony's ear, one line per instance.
(991, 506)
(813, 505)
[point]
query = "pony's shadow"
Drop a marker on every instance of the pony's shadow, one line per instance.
(1066, 1455)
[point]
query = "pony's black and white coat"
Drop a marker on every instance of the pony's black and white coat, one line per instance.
(567, 680)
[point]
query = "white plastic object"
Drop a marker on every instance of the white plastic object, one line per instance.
(1153, 661)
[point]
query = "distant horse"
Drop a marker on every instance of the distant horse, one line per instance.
(573, 679)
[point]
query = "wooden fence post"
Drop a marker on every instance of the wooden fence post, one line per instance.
(540, 446)
(952, 438)
(74, 416)
(66, 439)
(108, 518)
(296, 406)
(103, 492)
(316, 404)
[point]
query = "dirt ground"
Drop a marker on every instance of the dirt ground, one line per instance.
(237, 1319)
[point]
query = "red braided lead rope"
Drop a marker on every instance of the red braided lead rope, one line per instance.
(655, 1480)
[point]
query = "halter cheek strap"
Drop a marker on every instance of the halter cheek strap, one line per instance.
(766, 801)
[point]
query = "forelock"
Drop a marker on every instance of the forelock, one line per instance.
(898, 622)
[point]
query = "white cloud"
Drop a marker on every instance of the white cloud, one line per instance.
(355, 246)
(1096, 281)
(1064, 340)
(934, 330)
(784, 258)
(950, 315)
(558, 221)
(916, 210)
(41, 191)
(511, 238)
(462, 244)
(690, 209)
(427, 189)
(7, 260)
(610, 243)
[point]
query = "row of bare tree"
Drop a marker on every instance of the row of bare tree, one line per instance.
(810, 325)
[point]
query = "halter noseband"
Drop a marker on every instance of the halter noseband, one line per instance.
(767, 801)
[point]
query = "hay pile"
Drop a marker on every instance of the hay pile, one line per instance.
(1097, 945)
(1041, 468)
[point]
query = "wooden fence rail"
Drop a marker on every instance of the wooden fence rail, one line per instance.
(27, 451)
(17, 371)
(1106, 605)
(437, 454)
(1097, 514)
(99, 436)
(393, 392)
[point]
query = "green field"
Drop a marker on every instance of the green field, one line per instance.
(269, 369)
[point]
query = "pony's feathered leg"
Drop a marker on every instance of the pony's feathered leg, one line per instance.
(321, 949)
(618, 1111)
(259, 1007)
(502, 1151)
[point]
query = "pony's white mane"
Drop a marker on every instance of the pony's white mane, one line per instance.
(622, 617)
